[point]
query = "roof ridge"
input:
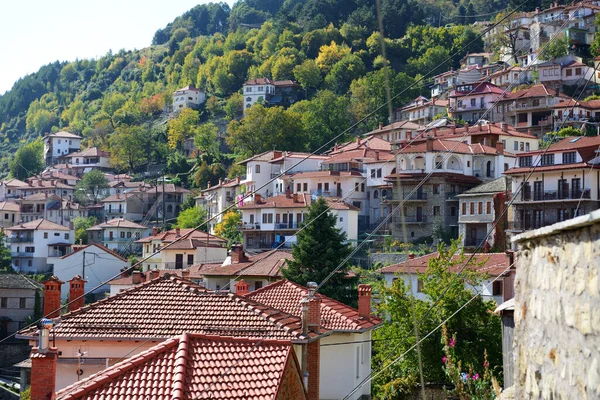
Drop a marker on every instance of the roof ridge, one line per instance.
(180, 368)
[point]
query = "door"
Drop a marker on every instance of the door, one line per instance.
(190, 260)
(178, 261)
(419, 214)
(339, 190)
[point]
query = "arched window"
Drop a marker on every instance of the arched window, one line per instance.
(384, 193)
(488, 169)
(169, 208)
(248, 98)
(376, 194)
(393, 171)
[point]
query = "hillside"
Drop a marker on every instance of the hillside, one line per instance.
(117, 101)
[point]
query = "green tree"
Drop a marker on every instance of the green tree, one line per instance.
(319, 249)
(191, 218)
(92, 187)
(182, 127)
(229, 228)
(345, 71)
(28, 160)
(308, 75)
(234, 106)
(81, 225)
(5, 257)
(128, 148)
(559, 47)
(206, 140)
(476, 327)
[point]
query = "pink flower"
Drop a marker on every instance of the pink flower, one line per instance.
(444, 359)
(452, 342)
(485, 364)
(475, 377)
(467, 376)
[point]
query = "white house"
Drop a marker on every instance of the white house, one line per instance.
(470, 102)
(422, 110)
(8, 189)
(128, 206)
(215, 199)
(35, 244)
(58, 145)
(490, 264)
(94, 262)
(86, 160)
(188, 97)
(119, 235)
(9, 214)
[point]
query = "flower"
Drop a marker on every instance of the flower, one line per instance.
(464, 376)
(475, 377)
(444, 359)
(485, 364)
(452, 342)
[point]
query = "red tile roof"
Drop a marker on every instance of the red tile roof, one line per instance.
(478, 88)
(304, 200)
(474, 130)
(370, 142)
(546, 168)
(448, 176)
(13, 183)
(450, 145)
(285, 295)
(539, 90)
(89, 152)
(194, 366)
(39, 224)
(117, 223)
(41, 197)
(171, 235)
(8, 206)
(63, 134)
(494, 264)
(98, 245)
(407, 125)
(323, 174)
(116, 198)
(265, 264)
(590, 105)
(168, 306)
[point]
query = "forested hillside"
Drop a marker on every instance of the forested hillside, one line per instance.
(331, 47)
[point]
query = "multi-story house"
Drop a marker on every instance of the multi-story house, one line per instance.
(10, 214)
(51, 186)
(480, 208)
(396, 131)
(272, 222)
(475, 60)
(17, 302)
(162, 199)
(34, 243)
(563, 185)
(58, 145)
(8, 189)
(445, 82)
(455, 167)
(86, 160)
(215, 199)
(197, 248)
(50, 207)
(128, 206)
(510, 77)
(471, 101)
(188, 97)
(565, 71)
(421, 110)
(119, 235)
(278, 93)
(576, 113)
(529, 110)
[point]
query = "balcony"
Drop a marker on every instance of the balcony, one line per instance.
(176, 265)
(20, 239)
(555, 195)
(528, 106)
(412, 219)
(324, 193)
(396, 198)
(474, 242)
(21, 254)
(452, 196)
(250, 226)
(288, 225)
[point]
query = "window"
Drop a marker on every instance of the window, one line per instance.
(569, 72)
(468, 163)
(362, 187)
(488, 207)
(357, 362)
(497, 288)
(248, 89)
(419, 286)
(258, 285)
(379, 172)
(525, 161)
(298, 187)
(436, 210)
(267, 218)
(4, 302)
(326, 185)
(473, 102)
(453, 211)
(190, 259)
(577, 71)
(305, 186)
(356, 204)
(277, 218)
(535, 102)
(257, 169)
(122, 234)
(66, 236)
(548, 159)
(480, 207)
(516, 146)
(261, 89)
(129, 234)
(373, 173)
(376, 194)
(472, 208)
(45, 235)
(22, 302)
(436, 189)
(464, 208)
(356, 186)
(569, 158)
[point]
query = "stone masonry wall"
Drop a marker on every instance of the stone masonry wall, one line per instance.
(557, 313)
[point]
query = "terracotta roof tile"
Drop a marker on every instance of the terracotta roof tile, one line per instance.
(38, 224)
(264, 264)
(8, 206)
(304, 200)
(494, 264)
(13, 183)
(193, 366)
(171, 235)
(285, 296)
(451, 145)
(89, 152)
(407, 125)
(118, 223)
(459, 132)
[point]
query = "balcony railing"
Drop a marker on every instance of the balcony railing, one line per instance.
(254, 226)
(413, 219)
(286, 226)
(19, 239)
(392, 196)
(549, 195)
(176, 265)
(474, 241)
(22, 254)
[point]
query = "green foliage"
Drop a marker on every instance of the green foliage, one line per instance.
(92, 187)
(182, 127)
(191, 218)
(476, 327)
(206, 140)
(28, 160)
(308, 75)
(81, 225)
(559, 47)
(319, 249)
(128, 145)
(5, 255)
(229, 227)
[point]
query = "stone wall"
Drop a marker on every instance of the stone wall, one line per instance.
(557, 311)
(387, 258)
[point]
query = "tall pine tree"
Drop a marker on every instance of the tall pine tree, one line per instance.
(320, 248)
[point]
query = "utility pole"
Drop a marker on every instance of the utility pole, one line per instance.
(164, 207)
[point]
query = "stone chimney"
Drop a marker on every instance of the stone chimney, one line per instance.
(311, 353)
(453, 129)
(364, 300)
(380, 126)
(500, 147)
(429, 144)
(185, 273)
(155, 231)
(257, 198)
(118, 195)
(295, 197)
(43, 365)
(504, 126)
(411, 256)
(377, 155)
(177, 232)
(220, 181)
(136, 277)
(153, 274)
(237, 254)
(242, 288)
(358, 140)
(76, 292)
(52, 297)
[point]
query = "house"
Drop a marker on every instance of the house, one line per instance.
(578, 114)
(19, 298)
(36, 185)
(279, 93)
(34, 244)
(342, 367)
(565, 71)
(195, 366)
(475, 59)
(446, 81)
(127, 206)
(58, 176)
(119, 235)
(471, 102)
(274, 221)
(165, 198)
(396, 131)
(128, 279)
(188, 97)
(94, 263)
(509, 77)
(196, 247)
(492, 265)
(58, 145)
(9, 214)
(255, 270)
(481, 208)
(50, 207)
(86, 160)
(563, 185)
(215, 199)
(8, 189)
(421, 110)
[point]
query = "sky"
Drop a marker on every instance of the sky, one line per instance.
(37, 32)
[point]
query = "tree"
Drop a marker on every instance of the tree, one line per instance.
(476, 327)
(331, 54)
(191, 218)
(506, 39)
(128, 148)
(182, 127)
(92, 187)
(81, 225)
(28, 160)
(229, 228)
(206, 140)
(559, 47)
(319, 249)
(308, 75)
(343, 72)
(234, 106)
(5, 256)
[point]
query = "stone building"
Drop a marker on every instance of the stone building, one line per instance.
(17, 302)
(557, 323)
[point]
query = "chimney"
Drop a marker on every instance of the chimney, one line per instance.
(185, 273)
(377, 155)
(76, 292)
(257, 198)
(411, 256)
(288, 192)
(153, 274)
(380, 126)
(136, 277)
(220, 181)
(242, 288)
(155, 231)
(500, 147)
(177, 232)
(237, 179)
(364, 300)
(453, 129)
(429, 144)
(30, 183)
(208, 185)
(311, 354)
(118, 195)
(43, 365)
(237, 254)
(40, 183)
(504, 126)
(295, 197)
(52, 297)
(480, 126)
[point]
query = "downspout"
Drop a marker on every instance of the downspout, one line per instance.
(304, 305)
